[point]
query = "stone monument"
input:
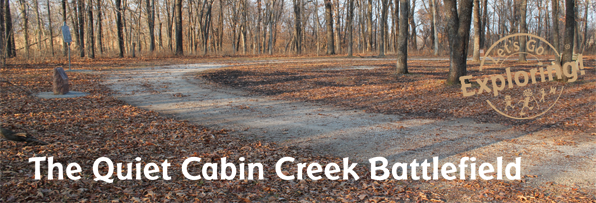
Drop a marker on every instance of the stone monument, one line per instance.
(60, 86)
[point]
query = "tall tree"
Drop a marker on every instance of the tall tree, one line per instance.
(50, 28)
(25, 26)
(569, 32)
(414, 37)
(297, 26)
(585, 43)
(329, 22)
(9, 33)
(81, 15)
(555, 8)
(119, 28)
(90, 35)
(64, 44)
(402, 40)
(384, 10)
(458, 32)
(2, 36)
(434, 25)
(477, 24)
(99, 27)
(39, 24)
(523, 28)
(350, 19)
(178, 22)
(151, 23)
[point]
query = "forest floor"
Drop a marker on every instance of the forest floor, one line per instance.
(316, 110)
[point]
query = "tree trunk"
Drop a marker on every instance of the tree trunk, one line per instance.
(402, 40)
(178, 22)
(585, 42)
(385, 5)
(369, 26)
(569, 32)
(39, 25)
(81, 15)
(99, 27)
(9, 33)
(556, 43)
(523, 28)
(483, 24)
(329, 22)
(2, 36)
(476, 54)
(350, 27)
(64, 44)
(434, 23)
(51, 38)
(25, 26)
(119, 27)
(90, 37)
(297, 27)
(413, 26)
(458, 31)
(151, 23)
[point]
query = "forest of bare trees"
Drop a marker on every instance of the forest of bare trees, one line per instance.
(124, 28)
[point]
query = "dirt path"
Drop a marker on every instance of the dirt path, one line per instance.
(349, 133)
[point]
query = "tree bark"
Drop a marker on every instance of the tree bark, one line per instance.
(119, 27)
(329, 22)
(585, 42)
(369, 25)
(458, 31)
(2, 36)
(402, 40)
(178, 22)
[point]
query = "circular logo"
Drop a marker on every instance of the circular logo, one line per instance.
(519, 76)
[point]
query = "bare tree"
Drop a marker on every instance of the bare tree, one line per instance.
(458, 31)
(39, 24)
(555, 10)
(50, 28)
(402, 40)
(329, 22)
(2, 36)
(81, 18)
(90, 37)
(25, 26)
(350, 22)
(476, 53)
(569, 32)
(9, 32)
(119, 28)
(385, 5)
(151, 23)
(523, 28)
(99, 27)
(64, 44)
(178, 22)
(297, 26)
(434, 30)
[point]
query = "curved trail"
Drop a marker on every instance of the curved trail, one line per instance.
(173, 90)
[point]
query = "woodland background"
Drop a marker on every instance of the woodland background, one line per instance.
(106, 28)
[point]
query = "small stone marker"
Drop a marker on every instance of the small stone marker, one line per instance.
(60, 86)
